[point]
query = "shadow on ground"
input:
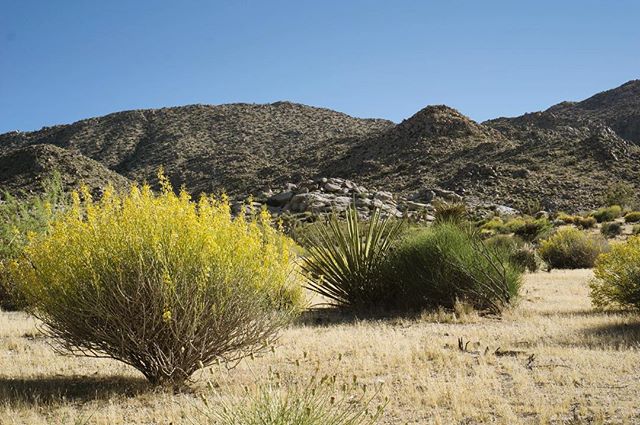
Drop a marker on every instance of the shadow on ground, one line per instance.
(616, 336)
(58, 389)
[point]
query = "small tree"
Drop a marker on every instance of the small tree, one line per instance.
(158, 282)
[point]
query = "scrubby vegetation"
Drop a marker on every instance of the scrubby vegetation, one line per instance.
(450, 212)
(522, 254)
(585, 222)
(611, 229)
(606, 214)
(159, 282)
(570, 248)
(632, 217)
(619, 193)
(21, 216)
(617, 276)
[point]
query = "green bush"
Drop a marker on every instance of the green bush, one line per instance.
(301, 402)
(617, 276)
(632, 217)
(532, 230)
(585, 222)
(570, 248)
(521, 254)
(566, 218)
(447, 263)
(611, 229)
(343, 261)
(607, 214)
(636, 229)
(159, 282)
(19, 217)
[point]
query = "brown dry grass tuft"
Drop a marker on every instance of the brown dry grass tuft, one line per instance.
(550, 360)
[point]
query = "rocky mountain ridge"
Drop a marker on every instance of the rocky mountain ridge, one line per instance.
(562, 157)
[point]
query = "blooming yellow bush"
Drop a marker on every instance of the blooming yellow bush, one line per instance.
(617, 276)
(162, 283)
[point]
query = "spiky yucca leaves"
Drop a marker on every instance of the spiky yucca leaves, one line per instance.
(344, 260)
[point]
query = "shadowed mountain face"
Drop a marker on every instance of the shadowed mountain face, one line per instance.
(562, 157)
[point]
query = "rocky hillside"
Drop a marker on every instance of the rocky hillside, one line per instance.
(239, 148)
(24, 169)
(562, 158)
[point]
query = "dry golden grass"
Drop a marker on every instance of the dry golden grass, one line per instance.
(550, 360)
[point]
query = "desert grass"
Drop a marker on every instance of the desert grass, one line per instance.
(552, 359)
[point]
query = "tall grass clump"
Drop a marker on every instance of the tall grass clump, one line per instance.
(522, 254)
(303, 402)
(21, 216)
(448, 263)
(617, 276)
(159, 282)
(455, 212)
(571, 248)
(343, 262)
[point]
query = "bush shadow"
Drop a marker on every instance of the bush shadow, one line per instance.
(327, 316)
(59, 389)
(617, 335)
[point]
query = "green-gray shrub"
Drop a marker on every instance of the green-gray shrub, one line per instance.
(570, 248)
(446, 263)
(605, 214)
(611, 229)
(632, 217)
(522, 254)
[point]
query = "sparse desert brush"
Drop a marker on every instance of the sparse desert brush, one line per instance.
(611, 229)
(585, 222)
(570, 248)
(522, 254)
(636, 229)
(617, 276)
(20, 217)
(159, 282)
(605, 214)
(566, 218)
(300, 401)
(619, 193)
(343, 261)
(632, 217)
(495, 225)
(447, 263)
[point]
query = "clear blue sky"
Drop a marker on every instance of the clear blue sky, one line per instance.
(64, 60)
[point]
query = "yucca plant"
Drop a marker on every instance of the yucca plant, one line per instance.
(343, 260)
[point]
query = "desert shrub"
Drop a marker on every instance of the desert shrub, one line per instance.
(617, 276)
(632, 217)
(450, 212)
(636, 229)
(566, 218)
(619, 193)
(570, 248)
(607, 214)
(21, 216)
(300, 402)
(531, 230)
(447, 263)
(521, 254)
(611, 229)
(343, 262)
(159, 282)
(585, 222)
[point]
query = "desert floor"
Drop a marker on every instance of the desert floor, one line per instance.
(552, 359)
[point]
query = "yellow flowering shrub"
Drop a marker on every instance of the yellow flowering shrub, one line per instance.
(160, 282)
(617, 276)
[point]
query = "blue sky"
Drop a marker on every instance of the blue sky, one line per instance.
(61, 61)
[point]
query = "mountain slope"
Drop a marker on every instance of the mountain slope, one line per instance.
(563, 157)
(237, 148)
(24, 169)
